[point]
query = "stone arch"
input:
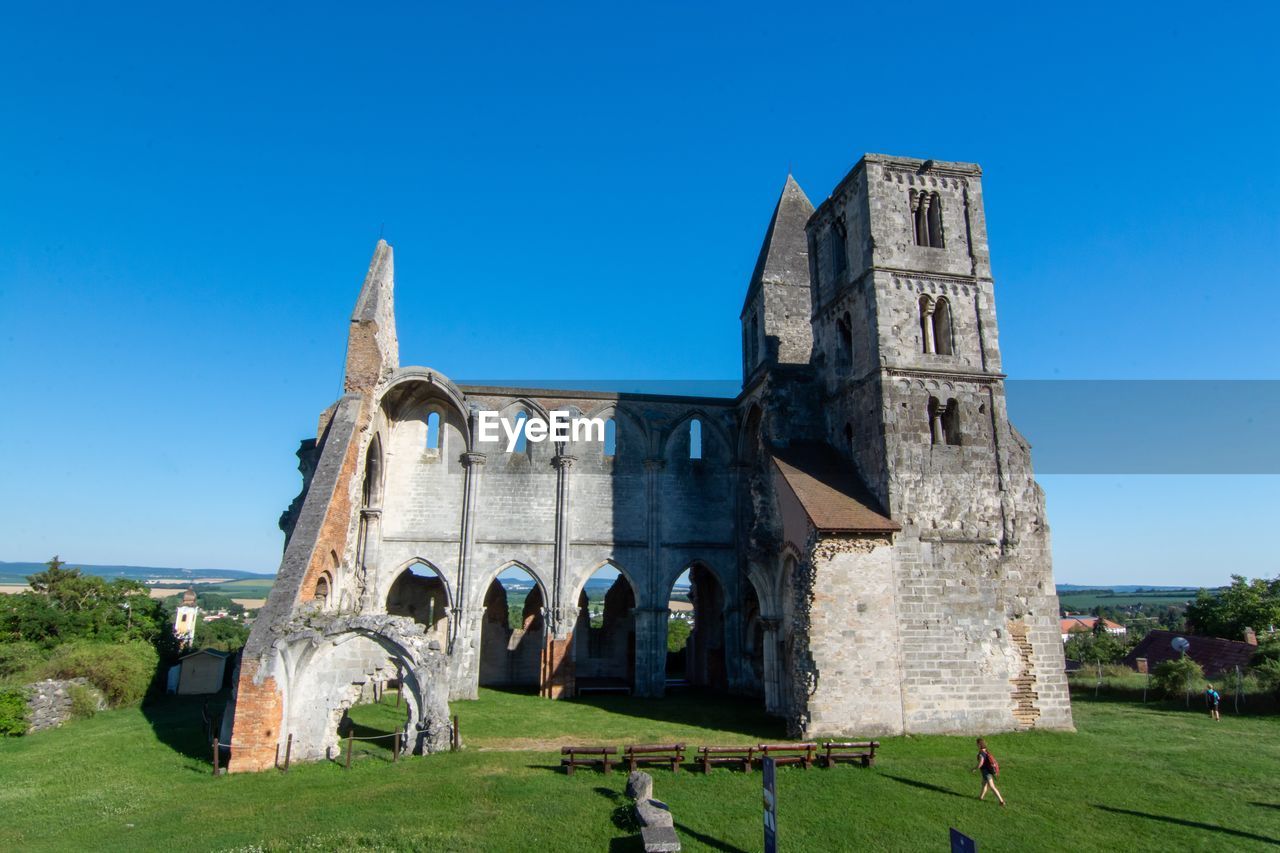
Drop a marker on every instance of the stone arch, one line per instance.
(422, 596)
(632, 436)
(328, 665)
(604, 654)
(704, 662)
(751, 435)
(411, 384)
(511, 655)
(713, 435)
(371, 485)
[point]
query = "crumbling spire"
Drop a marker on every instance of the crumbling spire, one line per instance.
(372, 348)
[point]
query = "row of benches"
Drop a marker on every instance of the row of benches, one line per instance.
(673, 754)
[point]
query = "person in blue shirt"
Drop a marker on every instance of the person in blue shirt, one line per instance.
(1213, 699)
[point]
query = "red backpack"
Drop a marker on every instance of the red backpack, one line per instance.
(992, 764)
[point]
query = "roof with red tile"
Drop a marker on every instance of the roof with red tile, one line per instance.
(830, 490)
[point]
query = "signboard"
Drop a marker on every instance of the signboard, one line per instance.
(961, 843)
(770, 806)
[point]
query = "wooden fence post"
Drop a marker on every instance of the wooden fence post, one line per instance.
(215, 756)
(455, 741)
(395, 749)
(349, 740)
(288, 750)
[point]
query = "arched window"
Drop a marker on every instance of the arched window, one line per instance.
(935, 221)
(610, 437)
(926, 216)
(942, 342)
(521, 442)
(844, 327)
(695, 439)
(926, 325)
(433, 431)
(951, 423)
(839, 250)
(322, 589)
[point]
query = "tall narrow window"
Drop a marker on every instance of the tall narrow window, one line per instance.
(753, 342)
(926, 325)
(920, 217)
(942, 343)
(935, 221)
(951, 422)
(695, 439)
(839, 250)
(844, 326)
(521, 442)
(611, 437)
(433, 431)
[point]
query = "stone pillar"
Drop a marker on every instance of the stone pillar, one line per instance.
(557, 672)
(651, 651)
(926, 320)
(772, 677)
(367, 558)
(651, 633)
(465, 624)
(935, 423)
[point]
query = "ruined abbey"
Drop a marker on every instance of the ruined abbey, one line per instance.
(866, 546)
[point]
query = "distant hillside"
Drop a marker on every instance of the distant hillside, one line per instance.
(16, 573)
(1077, 587)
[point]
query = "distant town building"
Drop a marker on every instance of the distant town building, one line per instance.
(1085, 625)
(184, 623)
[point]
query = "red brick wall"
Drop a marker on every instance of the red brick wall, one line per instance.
(259, 715)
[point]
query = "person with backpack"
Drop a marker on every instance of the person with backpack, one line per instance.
(1212, 698)
(990, 769)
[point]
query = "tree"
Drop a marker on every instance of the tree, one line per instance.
(226, 635)
(1098, 647)
(1177, 676)
(1228, 611)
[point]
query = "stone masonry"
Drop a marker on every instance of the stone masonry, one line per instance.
(867, 543)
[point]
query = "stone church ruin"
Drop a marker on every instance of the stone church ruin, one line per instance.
(867, 546)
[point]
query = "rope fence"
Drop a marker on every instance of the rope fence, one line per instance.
(455, 743)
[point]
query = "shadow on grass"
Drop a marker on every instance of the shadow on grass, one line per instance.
(925, 786)
(1266, 805)
(1238, 833)
(707, 709)
(187, 724)
(713, 843)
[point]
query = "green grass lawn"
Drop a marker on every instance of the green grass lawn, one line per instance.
(1132, 778)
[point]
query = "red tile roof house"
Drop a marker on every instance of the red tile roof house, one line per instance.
(1084, 624)
(1214, 654)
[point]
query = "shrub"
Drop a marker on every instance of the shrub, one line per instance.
(122, 671)
(20, 660)
(1176, 677)
(13, 712)
(84, 701)
(1267, 674)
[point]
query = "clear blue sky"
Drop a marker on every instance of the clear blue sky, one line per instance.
(189, 197)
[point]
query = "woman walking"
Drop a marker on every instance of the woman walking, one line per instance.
(989, 768)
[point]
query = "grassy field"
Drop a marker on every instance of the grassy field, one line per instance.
(1083, 600)
(1132, 778)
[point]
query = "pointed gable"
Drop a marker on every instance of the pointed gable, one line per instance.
(784, 255)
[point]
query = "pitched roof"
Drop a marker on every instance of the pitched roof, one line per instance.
(1214, 654)
(211, 652)
(830, 490)
(1070, 624)
(784, 255)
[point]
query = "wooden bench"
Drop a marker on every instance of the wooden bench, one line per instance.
(585, 756)
(790, 753)
(709, 755)
(863, 752)
(654, 753)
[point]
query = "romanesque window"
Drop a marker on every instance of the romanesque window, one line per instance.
(322, 589)
(926, 213)
(839, 250)
(944, 421)
(942, 344)
(611, 437)
(433, 431)
(844, 327)
(935, 326)
(695, 439)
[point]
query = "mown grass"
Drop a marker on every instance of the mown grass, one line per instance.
(1131, 778)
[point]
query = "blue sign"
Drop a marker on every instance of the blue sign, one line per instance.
(961, 843)
(770, 806)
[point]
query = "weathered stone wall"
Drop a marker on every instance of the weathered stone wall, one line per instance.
(49, 702)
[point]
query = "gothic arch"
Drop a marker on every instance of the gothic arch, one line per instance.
(709, 427)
